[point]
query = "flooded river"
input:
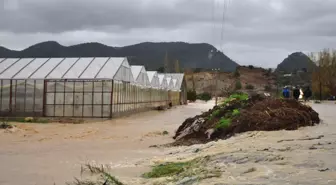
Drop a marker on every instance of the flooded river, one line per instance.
(39, 154)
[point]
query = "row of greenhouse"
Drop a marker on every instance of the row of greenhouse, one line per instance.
(97, 87)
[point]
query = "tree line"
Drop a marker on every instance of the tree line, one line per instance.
(324, 75)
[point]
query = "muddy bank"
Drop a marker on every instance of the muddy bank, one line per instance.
(241, 113)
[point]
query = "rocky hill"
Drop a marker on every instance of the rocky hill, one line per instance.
(294, 62)
(259, 78)
(151, 55)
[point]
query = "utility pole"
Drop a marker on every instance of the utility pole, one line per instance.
(216, 84)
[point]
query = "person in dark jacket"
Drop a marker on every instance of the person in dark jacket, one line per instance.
(307, 93)
(296, 93)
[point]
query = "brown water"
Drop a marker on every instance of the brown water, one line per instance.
(44, 154)
(40, 154)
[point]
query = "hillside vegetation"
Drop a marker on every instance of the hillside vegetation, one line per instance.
(152, 55)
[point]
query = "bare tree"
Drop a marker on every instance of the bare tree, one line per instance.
(324, 75)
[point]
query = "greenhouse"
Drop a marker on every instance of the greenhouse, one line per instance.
(100, 87)
(163, 81)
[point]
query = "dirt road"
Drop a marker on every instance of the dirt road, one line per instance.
(44, 154)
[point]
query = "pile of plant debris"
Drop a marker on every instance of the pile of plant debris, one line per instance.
(241, 113)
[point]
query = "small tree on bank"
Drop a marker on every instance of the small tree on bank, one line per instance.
(238, 85)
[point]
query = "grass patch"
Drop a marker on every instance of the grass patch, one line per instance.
(168, 169)
(223, 123)
(165, 132)
(178, 170)
(101, 174)
(28, 120)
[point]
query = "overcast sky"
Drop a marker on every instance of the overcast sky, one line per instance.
(258, 32)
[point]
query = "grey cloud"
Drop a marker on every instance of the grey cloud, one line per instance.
(255, 31)
(66, 15)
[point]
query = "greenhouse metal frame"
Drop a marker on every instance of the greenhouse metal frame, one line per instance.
(96, 87)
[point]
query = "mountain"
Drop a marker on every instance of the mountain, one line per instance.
(296, 61)
(149, 54)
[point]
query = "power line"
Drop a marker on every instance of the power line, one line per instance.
(225, 7)
(225, 10)
(214, 21)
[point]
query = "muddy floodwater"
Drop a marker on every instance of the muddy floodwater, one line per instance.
(40, 154)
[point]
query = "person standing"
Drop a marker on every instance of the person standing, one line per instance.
(307, 94)
(286, 92)
(296, 93)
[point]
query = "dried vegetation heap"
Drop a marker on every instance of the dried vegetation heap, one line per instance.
(241, 113)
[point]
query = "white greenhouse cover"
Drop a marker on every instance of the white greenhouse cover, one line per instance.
(170, 83)
(136, 71)
(140, 75)
(179, 79)
(163, 81)
(174, 83)
(66, 68)
(153, 79)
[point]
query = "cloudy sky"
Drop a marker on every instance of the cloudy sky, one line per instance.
(258, 32)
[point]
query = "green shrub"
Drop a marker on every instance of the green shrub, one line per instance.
(238, 85)
(204, 96)
(251, 67)
(249, 86)
(237, 96)
(223, 123)
(236, 73)
(191, 96)
(215, 113)
(235, 112)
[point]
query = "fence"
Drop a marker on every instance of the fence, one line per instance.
(79, 98)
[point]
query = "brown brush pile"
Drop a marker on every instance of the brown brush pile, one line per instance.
(257, 113)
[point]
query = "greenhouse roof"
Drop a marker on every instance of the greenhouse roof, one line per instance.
(61, 68)
(161, 78)
(179, 79)
(136, 71)
(151, 75)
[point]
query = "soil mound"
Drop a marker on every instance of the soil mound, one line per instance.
(241, 113)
